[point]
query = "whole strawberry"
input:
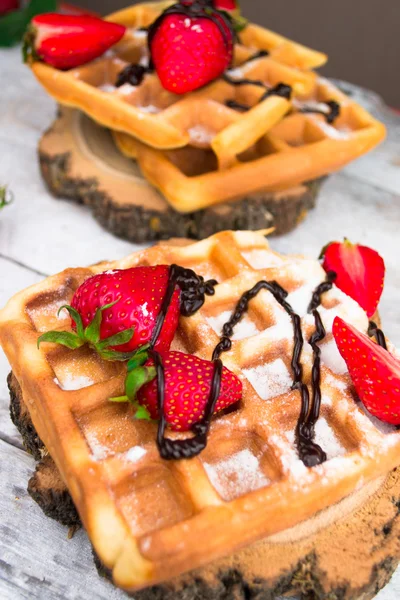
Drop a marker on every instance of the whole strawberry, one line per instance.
(191, 44)
(115, 312)
(68, 41)
(374, 371)
(360, 272)
(187, 389)
(8, 5)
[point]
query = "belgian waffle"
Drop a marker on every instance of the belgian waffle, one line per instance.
(297, 148)
(150, 520)
(156, 116)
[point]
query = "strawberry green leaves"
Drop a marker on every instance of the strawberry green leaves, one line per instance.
(90, 335)
(5, 197)
(14, 23)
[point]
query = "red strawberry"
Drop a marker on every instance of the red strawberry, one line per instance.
(228, 5)
(374, 371)
(187, 388)
(360, 272)
(68, 41)
(8, 5)
(118, 309)
(191, 44)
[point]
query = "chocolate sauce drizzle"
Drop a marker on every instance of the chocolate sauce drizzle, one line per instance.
(330, 116)
(281, 89)
(374, 331)
(133, 74)
(323, 287)
(193, 292)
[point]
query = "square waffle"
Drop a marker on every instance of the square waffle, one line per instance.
(226, 163)
(148, 111)
(148, 519)
(202, 148)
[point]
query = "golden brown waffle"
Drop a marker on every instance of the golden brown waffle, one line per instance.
(165, 120)
(299, 148)
(150, 520)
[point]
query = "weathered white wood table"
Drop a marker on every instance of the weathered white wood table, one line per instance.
(40, 236)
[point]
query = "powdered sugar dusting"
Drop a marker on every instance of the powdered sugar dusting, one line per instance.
(262, 259)
(270, 379)
(73, 382)
(331, 358)
(244, 329)
(99, 452)
(326, 438)
(135, 453)
(237, 475)
(150, 108)
(200, 134)
(107, 87)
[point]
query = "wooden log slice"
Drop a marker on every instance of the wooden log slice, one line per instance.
(347, 552)
(80, 161)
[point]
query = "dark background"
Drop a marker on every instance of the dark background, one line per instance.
(361, 37)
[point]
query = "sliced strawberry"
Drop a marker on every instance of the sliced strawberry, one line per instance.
(360, 272)
(191, 45)
(68, 41)
(187, 389)
(374, 371)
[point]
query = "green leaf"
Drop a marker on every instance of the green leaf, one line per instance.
(123, 337)
(76, 317)
(65, 338)
(138, 378)
(6, 196)
(119, 399)
(92, 331)
(115, 355)
(142, 414)
(139, 358)
(14, 24)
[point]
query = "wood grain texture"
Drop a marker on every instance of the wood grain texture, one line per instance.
(80, 162)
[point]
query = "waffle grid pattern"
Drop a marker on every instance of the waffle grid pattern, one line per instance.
(197, 150)
(148, 519)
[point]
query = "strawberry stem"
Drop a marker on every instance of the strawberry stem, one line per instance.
(90, 335)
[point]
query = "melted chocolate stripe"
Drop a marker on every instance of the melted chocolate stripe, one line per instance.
(311, 453)
(193, 291)
(330, 116)
(325, 286)
(374, 331)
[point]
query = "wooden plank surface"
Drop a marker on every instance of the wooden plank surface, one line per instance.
(39, 236)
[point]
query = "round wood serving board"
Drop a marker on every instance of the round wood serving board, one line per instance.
(347, 552)
(80, 161)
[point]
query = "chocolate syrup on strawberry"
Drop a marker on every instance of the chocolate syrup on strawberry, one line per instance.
(193, 291)
(190, 447)
(374, 331)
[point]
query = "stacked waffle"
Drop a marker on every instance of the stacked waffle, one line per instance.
(151, 519)
(230, 139)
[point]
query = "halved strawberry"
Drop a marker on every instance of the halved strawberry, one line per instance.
(360, 272)
(68, 41)
(374, 371)
(187, 388)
